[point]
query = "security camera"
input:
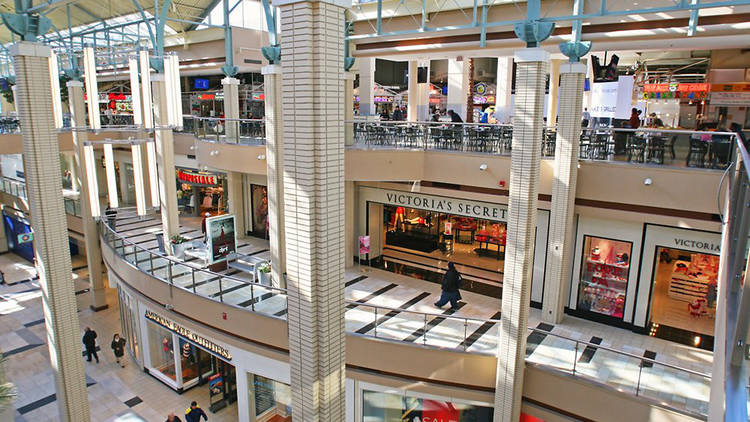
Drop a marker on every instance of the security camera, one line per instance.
(648, 181)
(483, 167)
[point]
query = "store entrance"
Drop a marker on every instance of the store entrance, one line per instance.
(683, 299)
(200, 368)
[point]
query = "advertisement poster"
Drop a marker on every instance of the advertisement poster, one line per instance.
(448, 228)
(215, 384)
(222, 239)
(364, 245)
(612, 99)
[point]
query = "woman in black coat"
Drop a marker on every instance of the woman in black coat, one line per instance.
(118, 347)
(450, 285)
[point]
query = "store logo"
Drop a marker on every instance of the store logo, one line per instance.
(697, 244)
(470, 209)
(196, 178)
(188, 334)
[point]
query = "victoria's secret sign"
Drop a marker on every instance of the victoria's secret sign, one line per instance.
(197, 178)
(455, 206)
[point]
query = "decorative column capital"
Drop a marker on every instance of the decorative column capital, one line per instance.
(271, 69)
(576, 67)
(531, 55)
(349, 75)
(31, 49)
(574, 50)
(230, 81)
(74, 84)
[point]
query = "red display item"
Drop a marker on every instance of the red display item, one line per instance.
(400, 210)
(439, 411)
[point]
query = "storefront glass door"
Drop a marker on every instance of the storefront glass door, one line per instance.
(222, 385)
(604, 276)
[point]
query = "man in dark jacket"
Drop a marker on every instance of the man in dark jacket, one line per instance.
(194, 413)
(455, 118)
(89, 341)
(450, 285)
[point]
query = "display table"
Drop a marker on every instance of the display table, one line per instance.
(465, 228)
(483, 237)
(688, 283)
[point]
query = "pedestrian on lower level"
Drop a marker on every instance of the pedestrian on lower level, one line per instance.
(118, 347)
(89, 342)
(194, 413)
(172, 418)
(450, 288)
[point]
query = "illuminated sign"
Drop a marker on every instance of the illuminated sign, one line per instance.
(258, 96)
(188, 334)
(730, 87)
(382, 99)
(207, 179)
(207, 97)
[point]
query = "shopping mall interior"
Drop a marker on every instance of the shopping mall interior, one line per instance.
(253, 210)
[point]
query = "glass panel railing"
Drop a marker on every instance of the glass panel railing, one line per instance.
(225, 130)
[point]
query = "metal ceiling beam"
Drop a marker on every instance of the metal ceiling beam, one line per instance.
(49, 4)
(203, 15)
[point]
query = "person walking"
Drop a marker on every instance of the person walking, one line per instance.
(585, 117)
(450, 288)
(455, 118)
(172, 418)
(89, 341)
(194, 413)
(118, 347)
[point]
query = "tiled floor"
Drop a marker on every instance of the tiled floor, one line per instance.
(115, 394)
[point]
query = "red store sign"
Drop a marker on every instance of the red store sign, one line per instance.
(197, 178)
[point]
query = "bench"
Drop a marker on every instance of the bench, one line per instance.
(245, 263)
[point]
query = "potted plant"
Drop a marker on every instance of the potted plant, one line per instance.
(178, 246)
(264, 273)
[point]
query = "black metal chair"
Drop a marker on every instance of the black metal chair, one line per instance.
(636, 148)
(697, 153)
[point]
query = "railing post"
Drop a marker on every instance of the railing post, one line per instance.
(376, 322)
(575, 359)
(151, 261)
(221, 292)
(424, 330)
(169, 271)
(252, 298)
(466, 329)
(135, 251)
(192, 274)
(638, 386)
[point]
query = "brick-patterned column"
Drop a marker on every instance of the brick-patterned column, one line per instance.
(231, 108)
(313, 76)
(274, 172)
(531, 72)
(90, 231)
(164, 140)
(366, 66)
(561, 233)
(349, 107)
(42, 168)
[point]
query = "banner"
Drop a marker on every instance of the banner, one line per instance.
(364, 245)
(222, 239)
(612, 99)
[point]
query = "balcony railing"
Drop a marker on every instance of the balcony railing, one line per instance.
(230, 131)
(17, 188)
(679, 388)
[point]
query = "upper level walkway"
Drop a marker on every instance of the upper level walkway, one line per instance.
(398, 308)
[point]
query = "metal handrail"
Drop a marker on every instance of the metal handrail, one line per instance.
(433, 314)
(222, 119)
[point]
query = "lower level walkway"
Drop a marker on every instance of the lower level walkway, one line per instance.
(115, 394)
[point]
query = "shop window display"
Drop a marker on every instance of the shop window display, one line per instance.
(260, 210)
(161, 350)
(392, 407)
(273, 399)
(604, 276)
(684, 290)
(471, 242)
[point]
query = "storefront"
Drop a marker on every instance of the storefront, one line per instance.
(679, 284)
(199, 192)
(129, 320)
(653, 279)
(259, 205)
(412, 231)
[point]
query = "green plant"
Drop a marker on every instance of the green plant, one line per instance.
(7, 389)
(264, 267)
(177, 239)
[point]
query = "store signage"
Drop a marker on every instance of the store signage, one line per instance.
(382, 99)
(197, 178)
(697, 244)
(730, 98)
(25, 238)
(221, 237)
(454, 206)
(258, 96)
(744, 87)
(188, 334)
(207, 97)
(118, 97)
(481, 88)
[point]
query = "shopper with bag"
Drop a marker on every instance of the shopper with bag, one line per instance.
(450, 285)
(89, 342)
(118, 347)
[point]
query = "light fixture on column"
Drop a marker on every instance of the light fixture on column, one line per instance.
(140, 194)
(148, 122)
(89, 163)
(54, 73)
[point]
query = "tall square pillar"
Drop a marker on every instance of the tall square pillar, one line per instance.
(236, 206)
(561, 233)
(413, 90)
(313, 77)
(164, 140)
(503, 88)
(231, 108)
(531, 73)
(423, 92)
(272, 82)
(42, 169)
(349, 107)
(457, 78)
(366, 86)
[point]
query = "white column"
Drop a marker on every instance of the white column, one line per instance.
(313, 74)
(164, 140)
(456, 89)
(561, 232)
(554, 85)
(590, 77)
(97, 290)
(531, 72)
(127, 191)
(54, 76)
(503, 91)
(31, 64)
(423, 92)
(272, 84)
(236, 205)
(366, 86)
(231, 108)
(139, 175)
(412, 108)
(349, 216)
(70, 163)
